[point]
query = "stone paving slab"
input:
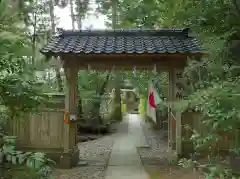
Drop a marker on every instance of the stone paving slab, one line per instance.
(124, 152)
(121, 158)
(126, 172)
(125, 162)
(136, 131)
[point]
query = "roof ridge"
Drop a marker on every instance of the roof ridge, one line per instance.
(126, 32)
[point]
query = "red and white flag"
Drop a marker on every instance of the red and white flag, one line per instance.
(153, 97)
(153, 101)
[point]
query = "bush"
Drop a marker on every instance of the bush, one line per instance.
(21, 162)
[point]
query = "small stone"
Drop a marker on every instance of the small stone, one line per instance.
(82, 163)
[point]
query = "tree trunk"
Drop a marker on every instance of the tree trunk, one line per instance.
(34, 39)
(57, 70)
(72, 14)
(114, 14)
(79, 19)
(117, 99)
(97, 103)
(103, 87)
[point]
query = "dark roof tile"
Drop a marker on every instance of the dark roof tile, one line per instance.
(123, 41)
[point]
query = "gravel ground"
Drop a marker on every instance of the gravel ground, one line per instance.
(96, 153)
(88, 172)
(157, 145)
(154, 158)
(155, 161)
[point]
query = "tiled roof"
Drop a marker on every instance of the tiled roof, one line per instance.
(123, 41)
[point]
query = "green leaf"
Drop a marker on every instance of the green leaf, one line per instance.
(30, 163)
(14, 159)
(8, 148)
(38, 164)
(49, 161)
(21, 159)
(9, 157)
(215, 125)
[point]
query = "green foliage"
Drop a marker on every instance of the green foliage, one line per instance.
(81, 8)
(15, 87)
(213, 82)
(16, 84)
(93, 85)
(14, 48)
(36, 161)
(163, 107)
(139, 80)
(20, 93)
(93, 80)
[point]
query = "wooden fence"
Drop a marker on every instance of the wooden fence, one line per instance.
(44, 131)
(191, 121)
(39, 131)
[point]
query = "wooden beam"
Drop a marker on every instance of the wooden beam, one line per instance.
(175, 132)
(179, 132)
(69, 140)
(127, 63)
(178, 96)
(171, 98)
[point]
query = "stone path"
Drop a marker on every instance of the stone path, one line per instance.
(125, 162)
(119, 155)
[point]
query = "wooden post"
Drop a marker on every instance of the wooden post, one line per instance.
(171, 98)
(156, 71)
(178, 96)
(179, 133)
(175, 131)
(114, 14)
(70, 109)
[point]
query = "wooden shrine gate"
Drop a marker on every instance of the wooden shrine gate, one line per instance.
(121, 50)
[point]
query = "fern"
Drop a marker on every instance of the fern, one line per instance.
(36, 161)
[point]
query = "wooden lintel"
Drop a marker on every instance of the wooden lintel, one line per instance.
(127, 63)
(116, 57)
